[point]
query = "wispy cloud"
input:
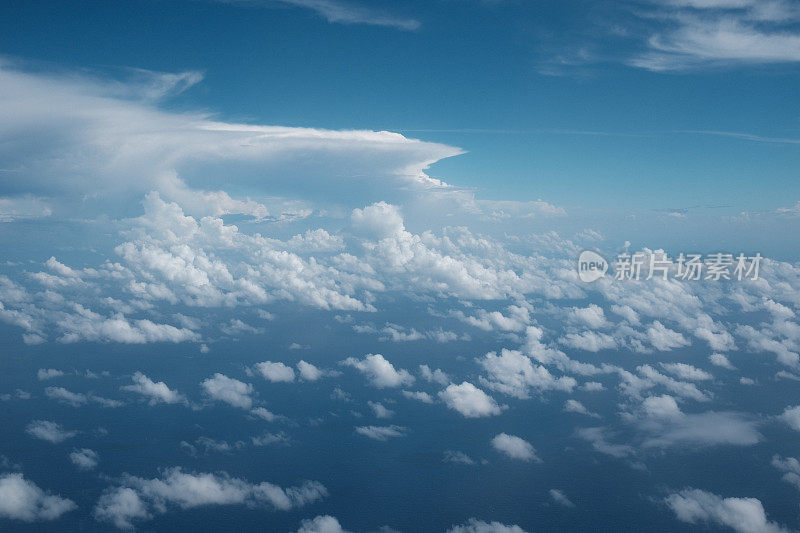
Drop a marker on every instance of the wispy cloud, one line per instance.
(336, 11)
(703, 33)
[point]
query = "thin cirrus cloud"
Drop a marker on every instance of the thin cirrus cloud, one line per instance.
(339, 12)
(701, 33)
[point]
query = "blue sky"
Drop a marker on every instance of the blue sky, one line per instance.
(318, 265)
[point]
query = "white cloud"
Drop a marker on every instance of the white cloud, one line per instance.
(469, 400)
(49, 431)
(514, 447)
(684, 371)
(744, 515)
(515, 374)
(433, 376)
(156, 391)
(140, 499)
(84, 459)
(451, 456)
(790, 468)
(21, 499)
(321, 524)
(421, 396)
(381, 433)
(379, 410)
(48, 373)
(598, 437)
(229, 390)
(574, 406)
(310, 372)
(275, 372)
(342, 12)
(560, 498)
(591, 317)
(721, 360)
(380, 372)
(473, 525)
(63, 395)
(791, 416)
(664, 339)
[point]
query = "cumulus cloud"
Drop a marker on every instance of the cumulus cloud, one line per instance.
(48, 373)
(228, 390)
(514, 447)
(684, 371)
(309, 372)
(469, 400)
(790, 468)
(380, 410)
(137, 499)
(321, 524)
(21, 499)
(49, 431)
(275, 372)
(721, 360)
(84, 459)
(791, 417)
(380, 372)
(744, 515)
(514, 373)
(155, 391)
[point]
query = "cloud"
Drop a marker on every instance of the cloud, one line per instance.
(380, 372)
(63, 395)
(473, 525)
(574, 406)
(421, 396)
(321, 524)
(91, 118)
(228, 390)
(560, 498)
(380, 410)
(138, 498)
(699, 41)
(49, 431)
(84, 459)
(790, 467)
(668, 426)
(514, 447)
(791, 416)
(275, 372)
(381, 433)
(433, 376)
(48, 373)
(309, 372)
(469, 400)
(340, 12)
(721, 360)
(598, 437)
(684, 371)
(744, 515)
(664, 339)
(515, 374)
(155, 391)
(451, 456)
(21, 499)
